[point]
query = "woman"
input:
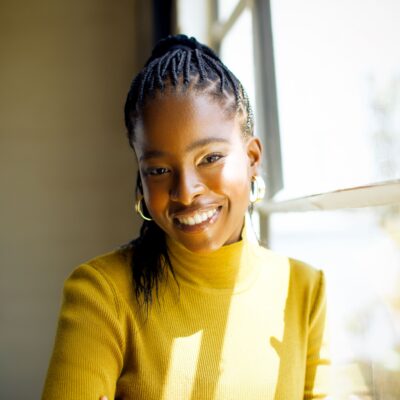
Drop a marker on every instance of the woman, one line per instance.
(193, 308)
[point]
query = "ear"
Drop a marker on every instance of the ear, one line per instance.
(254, 153)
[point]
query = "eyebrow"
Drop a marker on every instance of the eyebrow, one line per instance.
(198, 143)
(152, 154)
(205, 142)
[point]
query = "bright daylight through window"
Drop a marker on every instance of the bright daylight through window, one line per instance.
(338, 84)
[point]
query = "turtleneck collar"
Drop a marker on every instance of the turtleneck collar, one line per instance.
(228, 268)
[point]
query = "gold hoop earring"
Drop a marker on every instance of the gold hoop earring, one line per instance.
(257, 191)
(138, 209)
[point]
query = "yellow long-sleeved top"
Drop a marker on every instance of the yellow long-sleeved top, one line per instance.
(240, 323)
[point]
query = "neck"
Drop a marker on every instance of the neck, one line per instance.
(225, 268)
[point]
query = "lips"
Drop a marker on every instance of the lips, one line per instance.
(197, 219)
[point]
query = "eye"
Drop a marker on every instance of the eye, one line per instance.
(157, 171)
(211, 158)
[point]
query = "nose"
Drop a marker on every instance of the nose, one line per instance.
(186, 187)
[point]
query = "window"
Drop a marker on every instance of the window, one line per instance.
(338, 83)
(337, 76)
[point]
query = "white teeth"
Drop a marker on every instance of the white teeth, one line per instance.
(197, 218)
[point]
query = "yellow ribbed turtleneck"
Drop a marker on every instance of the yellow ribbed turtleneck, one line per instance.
(225, 268)
(239, 323)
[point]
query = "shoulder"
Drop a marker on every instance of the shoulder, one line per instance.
(300, 285)
(111, 269)
(113, 262)
(305, 274)
(302, 276)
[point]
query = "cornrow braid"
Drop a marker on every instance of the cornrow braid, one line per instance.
(200, 63)
(181, 62)
(187, 68)
(178, 62)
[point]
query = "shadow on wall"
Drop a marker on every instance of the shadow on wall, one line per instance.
(67, 173)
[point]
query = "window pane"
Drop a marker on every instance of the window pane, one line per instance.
(237, 52)
(192, 19)
(359, 250)
(338, 83)
(225, 8)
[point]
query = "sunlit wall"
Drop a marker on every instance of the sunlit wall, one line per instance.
(67, 174)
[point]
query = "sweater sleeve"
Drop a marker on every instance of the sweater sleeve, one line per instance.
(317, 380)
(88, 352)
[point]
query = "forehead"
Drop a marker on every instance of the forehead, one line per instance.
(175, 120)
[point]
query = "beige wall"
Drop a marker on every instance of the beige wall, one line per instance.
(66, 171)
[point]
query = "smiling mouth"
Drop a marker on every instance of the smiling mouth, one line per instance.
(199, 219)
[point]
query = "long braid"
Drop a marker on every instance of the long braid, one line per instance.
(177, 61)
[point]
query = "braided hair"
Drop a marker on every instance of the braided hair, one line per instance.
(176, 63)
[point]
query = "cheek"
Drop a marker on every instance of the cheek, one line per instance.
(155, 196)
(235, 177)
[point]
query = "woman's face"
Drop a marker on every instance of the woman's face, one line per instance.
(195, 169)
